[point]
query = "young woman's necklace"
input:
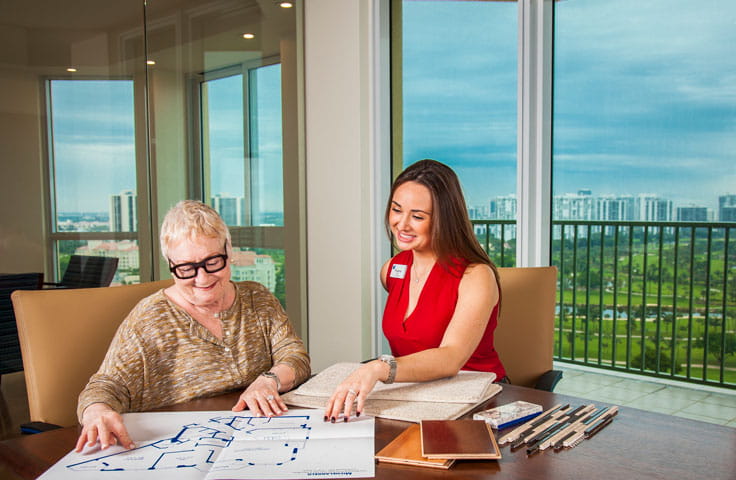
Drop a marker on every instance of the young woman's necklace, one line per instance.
(415, 275)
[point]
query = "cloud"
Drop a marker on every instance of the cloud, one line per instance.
(644, 93)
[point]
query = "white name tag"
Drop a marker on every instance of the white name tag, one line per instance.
(398, 271)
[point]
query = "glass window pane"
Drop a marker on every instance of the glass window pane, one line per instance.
(126, 251)
(266, 146)
(459, 83)
(644, 130)
(224, 146)
(93, 154)
(644, 110)
(245, 175)
(262, 265)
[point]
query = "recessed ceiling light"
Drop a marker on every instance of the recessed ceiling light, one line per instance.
(286, 4)
(248, 36)
(71, 69)
(150, 62)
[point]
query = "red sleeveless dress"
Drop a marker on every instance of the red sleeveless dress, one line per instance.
(426, 325)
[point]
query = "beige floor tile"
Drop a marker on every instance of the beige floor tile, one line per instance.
(639, 386)
(679, 393)
(644, 404)
(720, 399)
(695, 403)
(614, 394)
(725, 414)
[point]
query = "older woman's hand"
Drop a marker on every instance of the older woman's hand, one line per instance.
(262, 398)
(101, 421)
(354, 390)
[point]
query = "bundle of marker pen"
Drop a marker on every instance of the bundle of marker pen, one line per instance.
(559, 427)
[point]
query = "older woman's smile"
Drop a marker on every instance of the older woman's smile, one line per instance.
(206, 290)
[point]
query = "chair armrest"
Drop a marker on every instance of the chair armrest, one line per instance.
(37, 427)
(548, 380)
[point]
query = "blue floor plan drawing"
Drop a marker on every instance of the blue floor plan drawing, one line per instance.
(205, 445)
(271, 441)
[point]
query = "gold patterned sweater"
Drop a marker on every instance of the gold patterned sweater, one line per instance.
(160, 355)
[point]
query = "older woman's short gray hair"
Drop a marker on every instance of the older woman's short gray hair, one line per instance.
(191, 219)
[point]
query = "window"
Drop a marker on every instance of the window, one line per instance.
(243, 166)
(644, 115)
(93, 172)
(644, 182)
(458, 105)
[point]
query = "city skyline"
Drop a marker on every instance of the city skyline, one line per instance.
(640, 207)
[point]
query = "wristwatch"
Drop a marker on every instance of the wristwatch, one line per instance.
(391, 362)
(273, 376)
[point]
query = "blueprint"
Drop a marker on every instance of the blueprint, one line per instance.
(228, 445)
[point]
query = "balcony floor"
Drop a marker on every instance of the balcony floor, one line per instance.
(707, 404)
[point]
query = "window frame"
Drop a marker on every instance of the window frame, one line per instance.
(53, 236)
(247, 235)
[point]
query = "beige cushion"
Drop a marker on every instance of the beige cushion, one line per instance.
(64, 335)
(525, 334)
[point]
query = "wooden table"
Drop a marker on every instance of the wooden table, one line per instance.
(636, 445)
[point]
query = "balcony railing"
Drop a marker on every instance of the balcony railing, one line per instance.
(653, 298)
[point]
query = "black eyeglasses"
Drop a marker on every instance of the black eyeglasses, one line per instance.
(211, 264)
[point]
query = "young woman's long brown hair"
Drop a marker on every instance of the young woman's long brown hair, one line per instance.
(451, 232)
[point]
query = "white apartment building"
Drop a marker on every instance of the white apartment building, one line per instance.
(123, 212)
(248, 265)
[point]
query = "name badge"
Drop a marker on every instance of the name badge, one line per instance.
(397, 271)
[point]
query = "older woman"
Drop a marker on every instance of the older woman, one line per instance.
(443, 292)
(202, 336)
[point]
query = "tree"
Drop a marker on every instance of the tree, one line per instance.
(650, 360)
(714, 345)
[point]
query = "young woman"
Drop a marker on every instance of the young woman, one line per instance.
(443, 292)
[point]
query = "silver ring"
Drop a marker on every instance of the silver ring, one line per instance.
(352, 392)
(269, 397)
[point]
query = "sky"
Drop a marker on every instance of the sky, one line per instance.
(93, 142)
(226, 135)
(94, 150)
(644, 101)
(644, 96)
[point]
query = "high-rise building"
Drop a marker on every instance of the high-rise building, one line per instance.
(692, 214)
(503, 207)
(651, 208)
(727, 208)
(231, 209)
(123, 212)
(615, 209)
(478, 212)
(574, 206)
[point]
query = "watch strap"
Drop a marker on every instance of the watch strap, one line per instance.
(272, 376)
(391, 362)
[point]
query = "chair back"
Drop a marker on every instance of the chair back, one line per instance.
(84, 271)
(10, 359)
(64, 335)
(525, 332)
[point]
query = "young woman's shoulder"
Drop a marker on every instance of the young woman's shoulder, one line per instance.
(479, 269)
(480, 274)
